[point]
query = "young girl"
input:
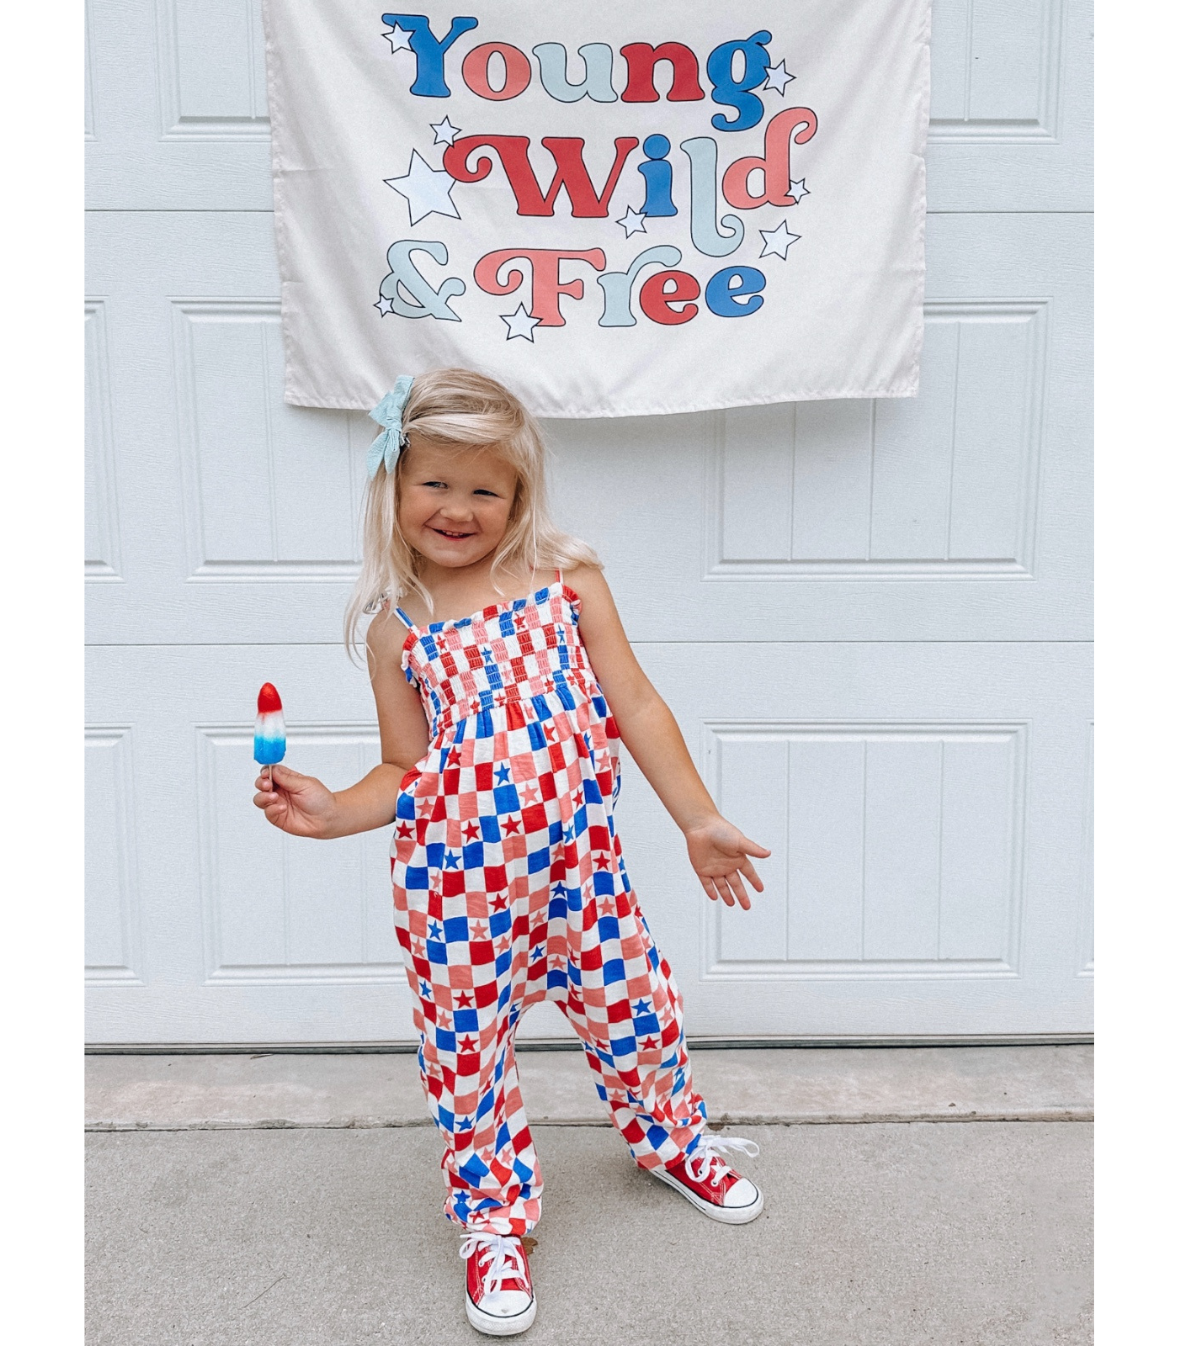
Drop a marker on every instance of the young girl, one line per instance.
(503, 682)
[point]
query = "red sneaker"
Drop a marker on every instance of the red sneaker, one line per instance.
(499, 1298)
(711, 1185)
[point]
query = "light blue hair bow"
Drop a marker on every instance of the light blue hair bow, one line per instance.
(387, 412)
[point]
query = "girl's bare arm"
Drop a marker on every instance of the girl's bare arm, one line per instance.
(305, 807)
(719, 851)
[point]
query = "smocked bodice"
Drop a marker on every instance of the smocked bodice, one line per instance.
(518, 654)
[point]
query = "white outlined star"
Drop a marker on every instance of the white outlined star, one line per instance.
(520, 323)
(777, 77)
(798, 189)
(778, 241)
(383, 306)
(444, 132)
(633, 221)
(426, 189)
(399, 37)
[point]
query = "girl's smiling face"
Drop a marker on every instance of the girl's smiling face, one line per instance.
(454, 505)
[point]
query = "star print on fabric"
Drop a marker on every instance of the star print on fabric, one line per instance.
(633, 221)
(642, 1007)
(578, 798)
(444, 1020)
(467, 1045)
(478, 931)
(452, 860)
(606, 906)
(569, 836)
(602, 861)
(500, 903)
(777, 77)
(466, 1124)
(465, 1000)
(649, 1045)
(444, 132)
(550, 733)
(400, 38)
(502, 944)
(435, 883)
(425, 991)
(503, 775)
(530, 794)
(798, 189)
(511, 826)
(404, 830)
(419, 948)
(520, 323)
(426, 189)
(537, 953)
(383, 306)
(471, 832)
(435, 930)
(778, 241)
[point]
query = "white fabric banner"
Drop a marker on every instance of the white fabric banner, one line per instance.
(614, 208)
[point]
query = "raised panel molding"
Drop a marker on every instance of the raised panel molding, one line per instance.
(940, 485)
(102, 517)
(995, 70)
(112, 899)
(212, 68)
(897, 850)
(285, 910)
(271, 492)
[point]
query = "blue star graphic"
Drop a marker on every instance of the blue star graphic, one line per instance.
(435, 930)
(451, 860)
(642, 1007)
(425, 991)
(503, 775)
(569, 834)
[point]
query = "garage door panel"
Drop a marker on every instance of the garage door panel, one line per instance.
(926, 805)
(920, 517)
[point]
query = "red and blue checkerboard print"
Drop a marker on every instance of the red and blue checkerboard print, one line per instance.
(509, 888)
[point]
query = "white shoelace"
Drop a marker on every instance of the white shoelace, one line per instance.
(701, 1161)
(507, 1259)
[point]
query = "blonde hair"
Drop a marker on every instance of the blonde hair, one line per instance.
(466, 410)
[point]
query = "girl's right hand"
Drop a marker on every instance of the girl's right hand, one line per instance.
(300, 805)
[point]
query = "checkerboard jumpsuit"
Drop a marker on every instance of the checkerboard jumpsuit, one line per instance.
(509, 888)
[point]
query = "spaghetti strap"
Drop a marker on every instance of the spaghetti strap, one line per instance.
(401, 613)
(559, 578)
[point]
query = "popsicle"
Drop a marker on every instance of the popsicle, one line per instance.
(269, 728)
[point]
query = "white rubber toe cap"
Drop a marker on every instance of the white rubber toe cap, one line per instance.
(741, 1194)
(502, 1314)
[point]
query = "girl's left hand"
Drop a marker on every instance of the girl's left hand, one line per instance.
(719, 854)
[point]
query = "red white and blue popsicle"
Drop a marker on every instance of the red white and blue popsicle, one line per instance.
(269, 727)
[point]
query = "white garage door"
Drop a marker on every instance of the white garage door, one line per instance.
(871, 619)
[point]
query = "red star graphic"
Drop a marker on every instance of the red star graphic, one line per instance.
(467, 1045)
(404, 830)
(500, 903)
(606, 906)
(578, 798)
(444, 1021)
(511, 826)
(530, 795)
(465, 1000)
(478, 931)
(550, 733)
(602, 861)
(502, 944)
(549, 685)
(649, 1045)
(471, 832)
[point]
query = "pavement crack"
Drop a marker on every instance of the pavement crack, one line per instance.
(266, 1291)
